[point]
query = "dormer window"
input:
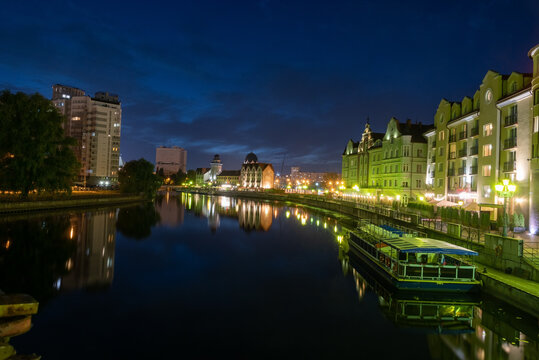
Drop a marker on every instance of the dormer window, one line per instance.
(513, 86)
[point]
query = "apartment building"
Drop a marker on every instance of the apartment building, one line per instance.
(484, 139)
(388, 166)
(95, 122)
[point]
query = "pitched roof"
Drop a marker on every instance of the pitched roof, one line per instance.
(230, 173)
(263, 166)
(415, 130)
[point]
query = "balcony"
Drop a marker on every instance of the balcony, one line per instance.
(509, 166)
(452, 155)
(452, 138)
(462, 171)
(451, 172)
(463, 152)
(510, 120)
(510, 143)
(462, 135)
(473, 170)
(474, 131)
(474, 150)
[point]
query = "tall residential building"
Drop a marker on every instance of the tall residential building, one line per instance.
(95, 122)
(484, 139)
(170, 159)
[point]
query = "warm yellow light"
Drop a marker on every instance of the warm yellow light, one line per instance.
(421, 198)
(505, 181)
(512, 188)
(499, 187)
(356, 188)
(398, 197)
(461, 202)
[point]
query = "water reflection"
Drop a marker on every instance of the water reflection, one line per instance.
(460, 327)
(92, 263)
(37, 251)
(136, 222)
(170, 210)
(251, 215)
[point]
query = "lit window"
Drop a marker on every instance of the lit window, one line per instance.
(75, 118)
(486, 191)
(487, 129)
(486, 170)
(441, 135)
(487, 150)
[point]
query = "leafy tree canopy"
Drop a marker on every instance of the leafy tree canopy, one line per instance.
(137, 177)
(34, 153)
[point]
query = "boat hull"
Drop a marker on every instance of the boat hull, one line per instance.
(411, 284)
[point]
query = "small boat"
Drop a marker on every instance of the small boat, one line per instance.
(410, 262)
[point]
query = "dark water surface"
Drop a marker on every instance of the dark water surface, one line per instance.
(215, 277)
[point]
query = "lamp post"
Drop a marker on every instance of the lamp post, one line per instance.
(505, 190)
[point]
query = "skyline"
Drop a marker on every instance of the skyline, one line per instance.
(265, 77)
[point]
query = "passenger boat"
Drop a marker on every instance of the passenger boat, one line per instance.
(410, 262)
(429, 312)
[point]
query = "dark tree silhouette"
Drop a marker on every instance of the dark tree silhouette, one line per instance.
(34, 153)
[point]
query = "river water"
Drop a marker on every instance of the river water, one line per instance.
(202, 277)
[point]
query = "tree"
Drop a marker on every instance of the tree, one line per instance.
(137, 177)
(161, 173)
(191, 176)
(179, 177)
(34, 152)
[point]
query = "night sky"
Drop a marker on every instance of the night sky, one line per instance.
(278, 78)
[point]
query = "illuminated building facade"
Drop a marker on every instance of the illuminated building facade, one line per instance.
(95, 122)
(255, 175)
(388, 166)
(484, 139)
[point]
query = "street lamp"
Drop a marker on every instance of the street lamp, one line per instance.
(505, 190)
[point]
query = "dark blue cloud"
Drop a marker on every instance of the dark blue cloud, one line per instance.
(294, 77)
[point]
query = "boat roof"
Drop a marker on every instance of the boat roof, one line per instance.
(426, 245)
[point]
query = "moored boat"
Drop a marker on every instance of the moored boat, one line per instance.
(411, 262)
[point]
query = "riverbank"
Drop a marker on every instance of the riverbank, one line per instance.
(67, 202)
(522, 293)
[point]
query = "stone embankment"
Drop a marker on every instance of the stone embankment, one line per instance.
(70, 202)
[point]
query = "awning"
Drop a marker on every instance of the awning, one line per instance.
(427, 245)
